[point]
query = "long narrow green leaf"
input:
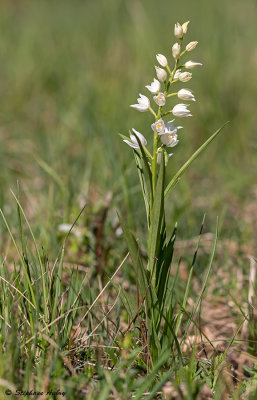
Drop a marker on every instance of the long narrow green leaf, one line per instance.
(159, 385)
(143, 281)
(143, 184)
(148, 381)
(148, 173)
(147, 168)
(164, 272)
(58, 279)
(204, 283)
(157, 218)
(39, 258)
(177, 176)
(21, 259)
(179, 318)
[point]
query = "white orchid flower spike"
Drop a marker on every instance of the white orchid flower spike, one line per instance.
(133, 140)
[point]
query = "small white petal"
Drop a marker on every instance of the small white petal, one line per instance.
(186, 94)
(184, 27)
(180, 110)
(161, 74)
(160, 99)
(178, 31)
(176, 51)
(191, 46)
(143, 100)
(185, 76)
(140, 137)
(138, 107)
(192, 64)
(134, 146)
(158, 126)
(143, 103)
(166, 155)
(169, 140)
(177, 74)
(162, 60)
(155, 86)
(133, 140)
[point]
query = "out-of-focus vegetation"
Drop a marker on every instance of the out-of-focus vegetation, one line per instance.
(69, 71)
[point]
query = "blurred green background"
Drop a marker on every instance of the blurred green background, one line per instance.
(70, 70)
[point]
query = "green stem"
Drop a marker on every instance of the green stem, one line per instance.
(148, 153)
(154, 164)
(174, 81)
(166, 113)
(172, 94)
(152, 111)
(168, 69)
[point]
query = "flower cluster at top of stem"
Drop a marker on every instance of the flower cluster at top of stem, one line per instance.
(166, 134)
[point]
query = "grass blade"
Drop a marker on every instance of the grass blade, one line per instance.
(157, 219)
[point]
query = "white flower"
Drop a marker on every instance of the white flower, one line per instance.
(184, 27)
(177, 73)
(161, 74)
(191, 46)
(169, 137)
(185, 76)
(186, 94)
(155, 86)
(178, 31)
(169, 129)
(170, 140)
(162, 60)
(160, 99)
(176, 51)
(192, 64)
(158, 126)
(134, 143)
(159, 156)
(180, 110)
(143, 103)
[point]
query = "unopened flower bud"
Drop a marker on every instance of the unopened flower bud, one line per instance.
(180, 110)
(161, 74)
(191, 46)
(176, 51)
(184, 27)
(162, 60)
(186, 94)
(178, 31)
(192, 64)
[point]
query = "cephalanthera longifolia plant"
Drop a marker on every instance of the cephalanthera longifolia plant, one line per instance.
(153, 280)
